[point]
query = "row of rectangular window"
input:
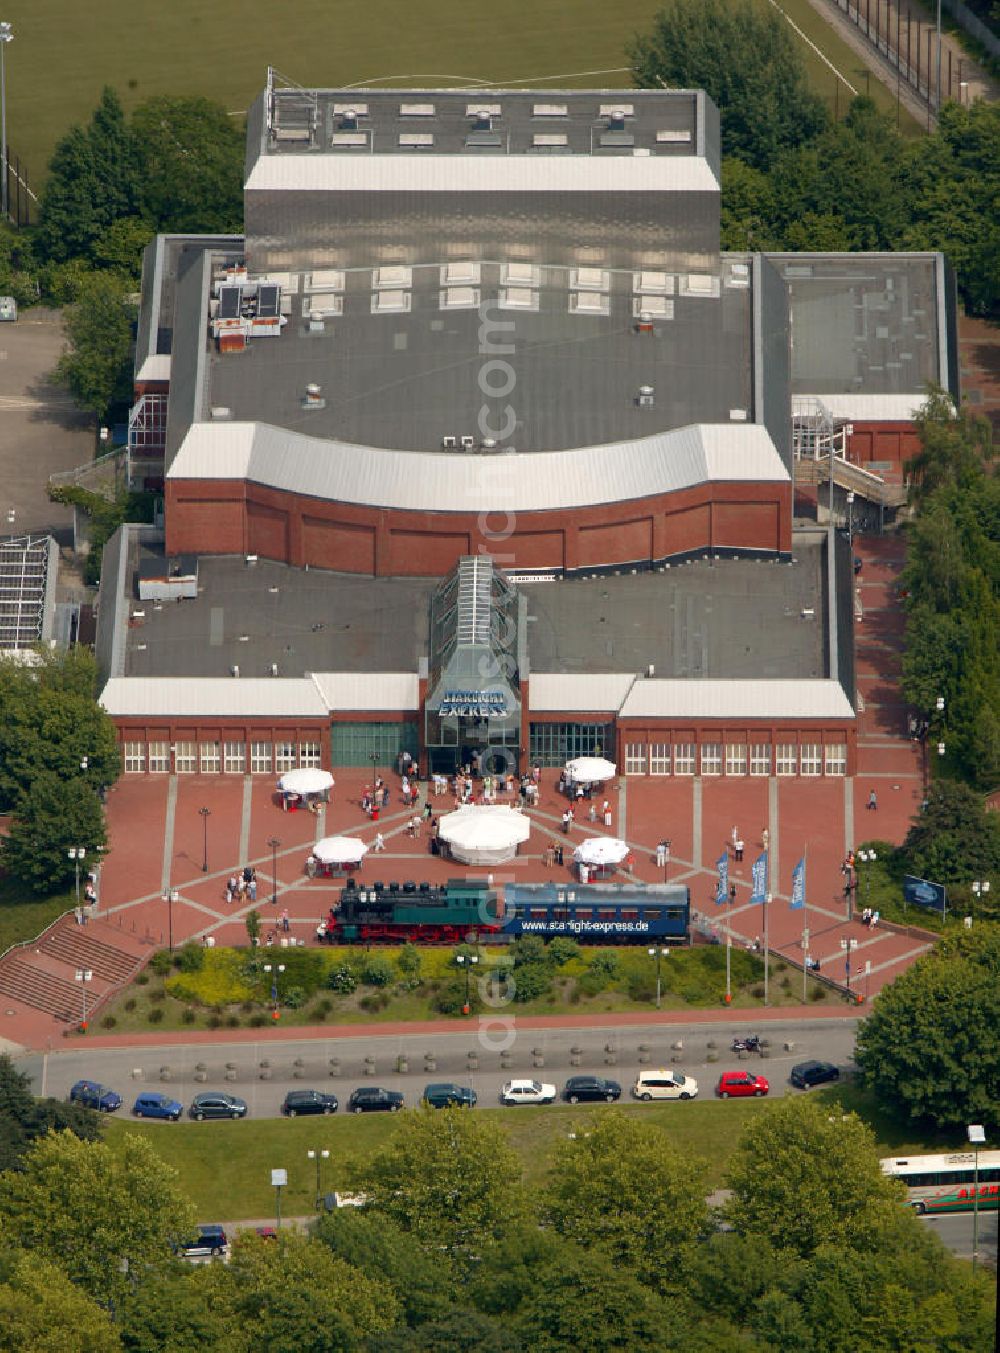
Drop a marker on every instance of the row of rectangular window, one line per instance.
(214, 758)
(688, 758)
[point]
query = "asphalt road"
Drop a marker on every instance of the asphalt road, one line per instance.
(956, 1232)
(262, 1073)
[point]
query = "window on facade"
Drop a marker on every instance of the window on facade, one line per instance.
(786, 761)
(284, 756)
(209, 756)
(760, 758)
(736, 758)
(260, 758)
(135, 758)
(836, 759)
(185, 758)
(811, 758)
(355, 744)
(309, 754)
(659, 758)
(159, 758)
(553, 744)
(635, 758)
(711, 758)
(684, 758)
(235, 758)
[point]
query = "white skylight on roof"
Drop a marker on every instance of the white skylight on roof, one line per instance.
(550, 139)
(590, 279)
(518, 298)
(519, 274)
(325, 279)
(589, 303)
(359, 109)
(657, 307)
(458, 298)
(393, 276)
(649, 282)
(698, 284)
(666, 135)
(416, 110)
(550, 110)
(461, 273)
(489, 109)
(616, 110)
(415, 140)
(390, 302)
(349, 140)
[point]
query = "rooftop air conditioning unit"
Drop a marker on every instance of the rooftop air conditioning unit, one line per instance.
(449, 443)
(468, 442)
(236, 671)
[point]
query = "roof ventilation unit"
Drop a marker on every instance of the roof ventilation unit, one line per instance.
(616, 120)
(489, 443)
(449, 443)
(646, 397)
(274, 669)
(313, 398)
(236, 671)
(482, 119)
(468, 443)
(220, 414)
(644, 324)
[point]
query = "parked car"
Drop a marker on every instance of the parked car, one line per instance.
(807, 1074)
(266, 1232)
(373, 1099)
(93, 1095)
(580, 1089)
(664, 1085)
(153, 1105)
(733, 1083)
(210, 1240)
(445, 1093)
(308, 1101)
(527, 1092)
(214, 1104)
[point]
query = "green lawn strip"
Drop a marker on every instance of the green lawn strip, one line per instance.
(23, 917)
(225, 1167)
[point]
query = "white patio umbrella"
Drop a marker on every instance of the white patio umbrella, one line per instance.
(484, 835)
(600, 851)
(590, 770)
(340, 850)
(305, 780)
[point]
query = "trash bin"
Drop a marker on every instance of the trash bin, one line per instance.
(375, 812)
(584, 874)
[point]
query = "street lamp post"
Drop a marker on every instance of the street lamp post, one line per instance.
(849, 945)
(6, 35)
(850, 516)
(83, 976)
(867, 857)
(274, 843)
(319, 1157)
(466, 962)
(205, 814)
(658, 953)
(77, 854)
(981, 888)
(373, 758)
(276, 969)
(977, 1136)
(170, 896)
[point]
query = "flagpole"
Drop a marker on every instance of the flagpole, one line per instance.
(805, 922)
(767, 908)
(729, 952)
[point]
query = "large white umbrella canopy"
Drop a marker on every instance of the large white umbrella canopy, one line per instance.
(601, 850)
(340, 850)
(305, 780)
(484, 835)
(590, 770)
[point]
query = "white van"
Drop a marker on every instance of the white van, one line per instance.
(664, 1085)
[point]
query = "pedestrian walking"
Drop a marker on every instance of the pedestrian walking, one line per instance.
(379, 841)
(765, 836)
(875, 916)
(593, 811)
(285, 923)
(252, 888)
(738, 848)
(734, 834)
(872, 801)
(565, 822)
(607, 815)
(661, 855)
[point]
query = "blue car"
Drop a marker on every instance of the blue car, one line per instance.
(153, 1105)
(94, 1096)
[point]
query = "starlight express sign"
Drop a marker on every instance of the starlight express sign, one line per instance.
(474, 704)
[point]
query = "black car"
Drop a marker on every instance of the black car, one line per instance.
(308, 1101)
(210, 1240)
(214, 1104)
(373, 1099)
(444, 1093)
(580, 1089)
(807, 1074)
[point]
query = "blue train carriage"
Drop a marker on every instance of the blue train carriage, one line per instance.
(599, 913)
(418, 912)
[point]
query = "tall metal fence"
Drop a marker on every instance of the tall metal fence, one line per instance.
(20, 199)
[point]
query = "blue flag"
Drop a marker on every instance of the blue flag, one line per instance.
(798, 885)
(759, 875)
(722, 891)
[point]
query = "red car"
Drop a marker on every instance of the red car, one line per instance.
(741, 1083)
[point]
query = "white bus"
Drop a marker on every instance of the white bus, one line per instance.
(946, 1183)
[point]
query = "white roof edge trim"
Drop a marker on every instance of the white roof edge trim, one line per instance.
(538, 481)
(212, 697)
(775, 698)
(888, 408)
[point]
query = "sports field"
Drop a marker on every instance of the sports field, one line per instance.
(64, 51)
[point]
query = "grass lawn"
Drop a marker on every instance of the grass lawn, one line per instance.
(22, 917)
(225, 1167)
(64, 52)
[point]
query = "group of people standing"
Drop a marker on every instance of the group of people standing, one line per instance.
(242, 886)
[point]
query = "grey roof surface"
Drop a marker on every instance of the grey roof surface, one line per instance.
(161, 260)
(864, 324)
(725, 618)
(304, 621)
(407, 379)
(304, 123)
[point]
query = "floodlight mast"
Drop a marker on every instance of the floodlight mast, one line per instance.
(6, 35)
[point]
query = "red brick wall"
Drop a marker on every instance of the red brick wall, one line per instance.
(893, 442)
(755, 731)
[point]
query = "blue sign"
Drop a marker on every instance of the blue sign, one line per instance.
(722, 891)
(924, 894)
(798, 885)
(474, 704)
(759, 875)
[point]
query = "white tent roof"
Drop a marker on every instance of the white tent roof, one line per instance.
(339, 850)
(305, 780)
(737, 698)
(488, 827)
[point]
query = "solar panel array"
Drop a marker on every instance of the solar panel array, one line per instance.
(24, 564)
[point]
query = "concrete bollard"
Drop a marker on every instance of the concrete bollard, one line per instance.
(678, 1046)
(712, 1057)
(789, 1047)
(201, 1077)
(402, 1064)
(137, 1073)
(230, 1074)
(265, 1073)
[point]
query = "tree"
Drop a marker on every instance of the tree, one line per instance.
(624, 1186)
(178, 1311)
(23, 1118)
(955, 838)
(97, 365)
(18, 267)
(928, 1049)
(41, 1310)
(51, 816)
(747, 59)
(105, 1216)
(953, 447)
(448, 1176)
(190, 153)
(801, 1179)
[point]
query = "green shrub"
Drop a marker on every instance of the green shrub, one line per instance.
(130, 1004)
(232, 1021)
(158, 994)
(529, 949)
(592, 982)
(190, 958)
(531, 981)
(410, 965)
(142, 979)
(641, 986)
(220, 981)
(294, 998)
(378, 1000)
(188, 1016)
(323, 1007)
(450, 997)
(109, 1021)
(258, 1021)
(377, 971)
(156, 1015)
(215, 1021)
(563, 950)
(605, 961)
(342, 980)
(161, 962)
(816, 993)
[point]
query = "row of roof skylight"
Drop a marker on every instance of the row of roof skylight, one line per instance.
(468, 273)
(605, 110)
